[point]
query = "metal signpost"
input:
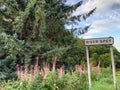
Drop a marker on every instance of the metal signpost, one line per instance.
(113, 68)
(100, 41)
(88, 65)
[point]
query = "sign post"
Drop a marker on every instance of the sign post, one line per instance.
(100, 41)
(88, 65)
(113, 68)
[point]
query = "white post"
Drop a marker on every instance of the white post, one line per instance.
(113, 68)
(88, 65)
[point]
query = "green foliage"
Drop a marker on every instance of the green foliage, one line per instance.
(74, 56)
(69, 81)
(74, 81)
(106, 71)
(102, 54)
(106, 60)
(37, 83)
(96, 76)
(31, 28)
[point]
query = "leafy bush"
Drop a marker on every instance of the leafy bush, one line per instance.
(69, 81)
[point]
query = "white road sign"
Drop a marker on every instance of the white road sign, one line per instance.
(99, 41)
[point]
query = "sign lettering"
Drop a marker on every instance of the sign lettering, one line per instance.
(99, 41)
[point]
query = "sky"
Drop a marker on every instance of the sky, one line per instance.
(105, 21)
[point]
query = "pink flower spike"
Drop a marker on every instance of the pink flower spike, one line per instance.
(61, 71)
(54, 64)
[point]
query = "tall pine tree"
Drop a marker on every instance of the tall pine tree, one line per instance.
(30, 28)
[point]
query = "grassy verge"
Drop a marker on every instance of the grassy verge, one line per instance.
(105, 82)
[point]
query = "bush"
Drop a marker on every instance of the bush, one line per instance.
(69, 81)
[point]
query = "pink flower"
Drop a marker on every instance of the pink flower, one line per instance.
(61, 71)
(54, 64)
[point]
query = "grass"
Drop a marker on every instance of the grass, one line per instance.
(106, 82)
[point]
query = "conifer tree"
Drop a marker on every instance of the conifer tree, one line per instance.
(30, 28)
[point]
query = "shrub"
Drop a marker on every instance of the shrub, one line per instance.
(69, 81)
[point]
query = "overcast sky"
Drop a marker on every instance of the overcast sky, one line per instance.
(104, 22)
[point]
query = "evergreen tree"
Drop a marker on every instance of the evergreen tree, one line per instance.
(30, 28)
